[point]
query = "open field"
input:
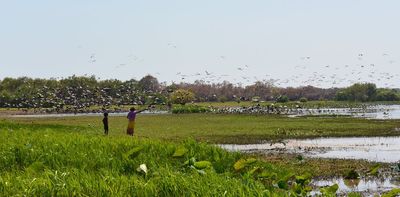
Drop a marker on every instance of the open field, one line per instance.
(71, 156)
(217, 128)
(67, 161)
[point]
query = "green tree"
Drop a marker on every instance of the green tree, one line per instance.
(282, 99)
(358, 92)
(182, 96)
(387, 95)
(149, 84)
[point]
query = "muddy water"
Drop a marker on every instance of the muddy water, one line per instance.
(380, 149)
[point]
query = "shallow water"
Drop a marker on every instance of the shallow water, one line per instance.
(369, 187)
(371, 112)
(380, 149)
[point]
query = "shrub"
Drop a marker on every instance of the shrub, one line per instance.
(223, 99)
(282, 99)
(352, 174)
(303, 99)
(190, 109)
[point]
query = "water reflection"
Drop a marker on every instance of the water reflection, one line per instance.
(371, 112)
(380, 149)
(369, 187)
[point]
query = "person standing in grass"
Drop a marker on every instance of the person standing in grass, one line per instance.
(131, 117)
(105, 123)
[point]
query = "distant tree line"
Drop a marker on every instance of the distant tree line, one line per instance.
(78, 92)
(365, 92)
(259, 91)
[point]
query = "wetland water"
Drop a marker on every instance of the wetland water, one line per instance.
(371, 112)
(369, 187)
(379, 149)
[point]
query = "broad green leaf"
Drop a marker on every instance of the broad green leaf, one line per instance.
(190, 162)
(392, 193)
(330, 190)
(375, 169)
(242, 163)
(269, 175)
(254, 170)
(202, 164)
(303, 179)
(180, 152)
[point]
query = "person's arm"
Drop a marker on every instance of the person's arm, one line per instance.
(139, 111)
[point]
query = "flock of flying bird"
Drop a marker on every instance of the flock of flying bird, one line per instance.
(328, 75)
(79, 99)
(362, 72)
(331, 76)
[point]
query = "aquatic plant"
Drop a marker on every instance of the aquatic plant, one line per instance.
(392, 193)
(352, 174)
(330, 190)
(374, 170)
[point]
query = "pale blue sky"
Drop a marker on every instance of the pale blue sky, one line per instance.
(128, 39)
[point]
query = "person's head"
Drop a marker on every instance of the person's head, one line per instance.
(132, 109)
(105, 114)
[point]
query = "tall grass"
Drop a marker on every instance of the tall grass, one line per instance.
(45, 160)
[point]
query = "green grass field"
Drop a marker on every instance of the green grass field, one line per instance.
(70, 156)
(217, 128)
(54, 160)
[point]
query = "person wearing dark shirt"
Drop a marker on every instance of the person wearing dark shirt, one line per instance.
(105, 123)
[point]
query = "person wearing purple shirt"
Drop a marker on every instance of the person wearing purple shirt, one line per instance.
(131, 117)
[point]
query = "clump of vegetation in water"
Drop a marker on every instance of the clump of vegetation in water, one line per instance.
(352, 174)
(392, 193)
